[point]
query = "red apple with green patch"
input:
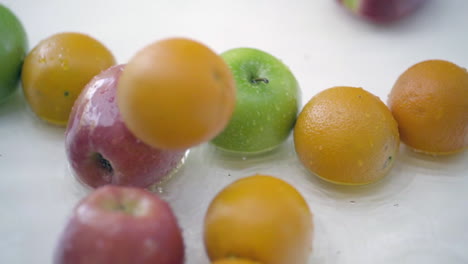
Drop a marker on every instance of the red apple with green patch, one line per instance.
(100, 148)
(121, 225)
(381, 11)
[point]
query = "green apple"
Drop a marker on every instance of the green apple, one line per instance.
(267, 103)
(13, 48)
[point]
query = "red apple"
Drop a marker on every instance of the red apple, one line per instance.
(121, 225)
(101, 149)
(382, 10)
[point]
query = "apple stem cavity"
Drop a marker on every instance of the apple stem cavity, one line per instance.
(257, 80)
(130, 208)
(126, 209)
(103, 163)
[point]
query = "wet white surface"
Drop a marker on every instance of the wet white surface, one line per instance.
(417, 214)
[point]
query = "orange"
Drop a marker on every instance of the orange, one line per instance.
(235, 261)
(346, 135)
(57, 69)
(430, 103)
(259, 218)
(176, 93)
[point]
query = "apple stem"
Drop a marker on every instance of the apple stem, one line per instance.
(257, 80)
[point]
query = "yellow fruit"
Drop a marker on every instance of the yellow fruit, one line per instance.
(346, 135)
(430, 103)
(176, 93)
(259, 218)
(234, 261)
(57, 69)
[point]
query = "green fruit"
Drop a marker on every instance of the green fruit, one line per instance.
(268, 100)
(13, 48)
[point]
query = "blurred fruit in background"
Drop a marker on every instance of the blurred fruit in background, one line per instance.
(346, 135)
(57, 69)
(430, 103)
(13, 49)
(176, 93)
(382, 11)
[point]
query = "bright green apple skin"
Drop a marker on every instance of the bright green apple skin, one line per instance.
(13, 48)
(267, 103)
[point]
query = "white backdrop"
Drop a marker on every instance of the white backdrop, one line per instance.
(417, 214)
